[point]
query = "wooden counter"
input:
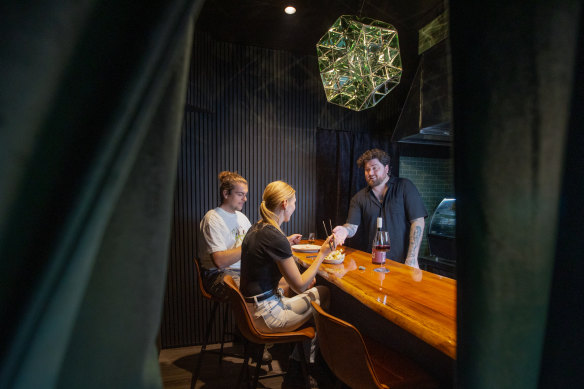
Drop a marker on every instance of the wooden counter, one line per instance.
(420, 302)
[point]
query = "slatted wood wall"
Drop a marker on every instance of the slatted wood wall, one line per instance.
(255, 111)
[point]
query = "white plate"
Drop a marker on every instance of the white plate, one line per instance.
(339, 259)
(306, 248)
(334, 262)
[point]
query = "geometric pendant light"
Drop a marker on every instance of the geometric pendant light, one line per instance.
(359, 61)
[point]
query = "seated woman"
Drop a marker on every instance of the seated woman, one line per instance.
(266, 256)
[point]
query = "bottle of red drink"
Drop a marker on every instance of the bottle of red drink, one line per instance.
(380, 244)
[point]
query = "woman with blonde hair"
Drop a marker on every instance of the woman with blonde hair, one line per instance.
(266, 256)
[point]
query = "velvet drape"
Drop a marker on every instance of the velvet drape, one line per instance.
(91, 105)
(517, 98)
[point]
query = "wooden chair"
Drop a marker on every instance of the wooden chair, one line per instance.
(216, 303)
(253, 335)
(362, 363)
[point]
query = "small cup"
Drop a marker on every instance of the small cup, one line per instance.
(311, 237)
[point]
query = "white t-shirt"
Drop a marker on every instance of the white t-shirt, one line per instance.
(221, 231)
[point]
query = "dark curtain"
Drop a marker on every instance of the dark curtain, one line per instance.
(562, 352)
(341, 178)
(517, 98)
(91, 105)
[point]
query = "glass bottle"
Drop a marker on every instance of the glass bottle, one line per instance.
(380, 244)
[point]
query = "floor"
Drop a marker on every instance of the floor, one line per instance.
(177, 365)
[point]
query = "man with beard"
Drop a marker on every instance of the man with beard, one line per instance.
(396, 200)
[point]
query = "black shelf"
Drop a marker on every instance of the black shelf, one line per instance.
(441, 266)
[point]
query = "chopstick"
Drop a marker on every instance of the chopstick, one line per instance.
(331, 243)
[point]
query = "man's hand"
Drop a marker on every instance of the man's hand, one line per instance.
(294, 238)
(340, 235)
(417, 274)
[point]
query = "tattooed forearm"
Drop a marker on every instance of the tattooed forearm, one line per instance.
(416, 238)
(416, 229)
(351, 229)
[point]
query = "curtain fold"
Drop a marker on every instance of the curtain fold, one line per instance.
(560, 366)
(90, 127)
(513, 86)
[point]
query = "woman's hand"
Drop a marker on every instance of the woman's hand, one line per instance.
(326, 249)
(294, 238)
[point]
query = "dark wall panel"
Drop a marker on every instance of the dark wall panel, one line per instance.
(255, 111)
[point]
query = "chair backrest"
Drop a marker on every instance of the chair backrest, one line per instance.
(344, 351)
(204, 292)
(247, 327)
(242, 314)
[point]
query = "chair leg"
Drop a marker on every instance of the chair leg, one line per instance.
(269, 365)
(195, 376)
(225, 316)
(304, 365)
(244, 364)
(258, 365)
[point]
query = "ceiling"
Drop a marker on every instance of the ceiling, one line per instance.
(263, 23)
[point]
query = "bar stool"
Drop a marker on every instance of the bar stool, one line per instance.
(216, 303)
(362, 363)
(255, 336)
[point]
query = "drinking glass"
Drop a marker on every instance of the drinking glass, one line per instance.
(383, 244)
(381, 247)
(311, 237)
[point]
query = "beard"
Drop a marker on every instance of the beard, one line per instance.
(378, 181)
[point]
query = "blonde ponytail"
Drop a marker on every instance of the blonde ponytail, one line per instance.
(274, 194)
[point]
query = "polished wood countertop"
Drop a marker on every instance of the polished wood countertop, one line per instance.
(420, 302)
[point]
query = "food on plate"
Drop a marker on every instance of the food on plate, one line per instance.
(336, 256)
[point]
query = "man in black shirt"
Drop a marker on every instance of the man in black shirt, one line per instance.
(394, 199)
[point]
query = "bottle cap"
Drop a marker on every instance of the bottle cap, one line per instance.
(379, 222)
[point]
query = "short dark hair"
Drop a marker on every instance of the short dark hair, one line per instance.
(367, 156)
(227, 182)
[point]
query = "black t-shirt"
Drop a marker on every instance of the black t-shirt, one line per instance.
(402, 203)
(262, 246)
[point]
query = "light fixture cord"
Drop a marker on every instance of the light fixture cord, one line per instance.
(361, 10)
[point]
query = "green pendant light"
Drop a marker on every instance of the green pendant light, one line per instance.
(359, 61)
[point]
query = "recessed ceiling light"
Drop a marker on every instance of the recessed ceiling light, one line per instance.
(290, 10)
